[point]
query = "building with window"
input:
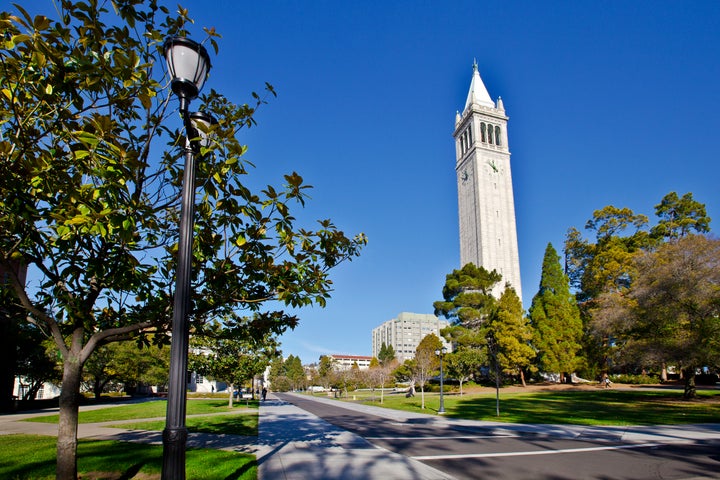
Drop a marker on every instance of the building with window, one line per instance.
(346, 362)
(405, 332)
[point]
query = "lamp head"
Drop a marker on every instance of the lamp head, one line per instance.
(188, 63)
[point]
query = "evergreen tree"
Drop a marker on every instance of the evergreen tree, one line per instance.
(555, 318)
(467, 298)
(294, 371)
(386, 354)
(512, 334)
(679, 216)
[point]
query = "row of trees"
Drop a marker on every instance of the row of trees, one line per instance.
(91, 158)
(648, 297)
(629, 302)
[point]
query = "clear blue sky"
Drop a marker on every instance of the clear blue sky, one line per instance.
(609, 103)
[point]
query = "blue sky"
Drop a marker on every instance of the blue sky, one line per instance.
(609, 103)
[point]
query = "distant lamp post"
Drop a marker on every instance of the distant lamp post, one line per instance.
(188, 64)
(440, 352)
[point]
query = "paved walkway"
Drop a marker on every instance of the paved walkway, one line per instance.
(293, 444)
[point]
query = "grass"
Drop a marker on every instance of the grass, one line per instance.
(151, 409)
(242, 424)
(581, 407)
(25, 457)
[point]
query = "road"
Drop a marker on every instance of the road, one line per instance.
(478, 452)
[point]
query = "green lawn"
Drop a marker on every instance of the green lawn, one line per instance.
(582, 407)
(26, 457)
(150, 409)
(242, 424)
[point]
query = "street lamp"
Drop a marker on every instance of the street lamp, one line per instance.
(440, 352)
(188, 64)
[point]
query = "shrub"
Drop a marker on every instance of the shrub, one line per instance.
(635, 379)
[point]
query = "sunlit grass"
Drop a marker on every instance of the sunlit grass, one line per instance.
(150, 409)
(243, 424)
(582, 407)
(26, 457)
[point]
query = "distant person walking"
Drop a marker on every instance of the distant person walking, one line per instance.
(605, 381)
(264, 393)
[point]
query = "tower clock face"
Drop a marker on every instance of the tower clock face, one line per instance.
(464, 176)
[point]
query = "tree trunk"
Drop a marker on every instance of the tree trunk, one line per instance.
(422, 396)
(690, 391)
(67, 425)
(8, 360)
(230, 396)
(32, 392)
(663, 373)
(98, 388)
(522, 378)
(461, 384)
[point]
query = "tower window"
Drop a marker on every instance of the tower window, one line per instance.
(497, 136)
(482, 132)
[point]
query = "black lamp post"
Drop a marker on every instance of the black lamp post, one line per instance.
(440, 352)
(188, 64)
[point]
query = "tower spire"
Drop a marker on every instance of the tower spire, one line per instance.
(478, 94)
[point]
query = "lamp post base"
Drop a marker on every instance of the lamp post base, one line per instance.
(174, 442)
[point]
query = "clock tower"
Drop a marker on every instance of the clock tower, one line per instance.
(488, 235)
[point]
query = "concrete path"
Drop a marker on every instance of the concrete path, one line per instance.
(293, 444)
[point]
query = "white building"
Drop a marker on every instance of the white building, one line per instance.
(346, 362)
(488, 235)
(405, 332)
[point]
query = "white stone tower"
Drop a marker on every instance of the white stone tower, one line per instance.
(488, 236)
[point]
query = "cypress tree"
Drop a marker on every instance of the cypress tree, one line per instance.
(555, 317)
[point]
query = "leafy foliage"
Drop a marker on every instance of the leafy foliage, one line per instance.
(227, 357)
(671, 312)
(426, 362)
(608, 265)
(680, 216)
(90, 200)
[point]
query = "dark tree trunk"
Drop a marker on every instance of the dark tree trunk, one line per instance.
(32, 392)
(690, 390)
(67, 425)
(8, 360)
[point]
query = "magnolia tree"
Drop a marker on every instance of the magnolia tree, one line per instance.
(91, 160)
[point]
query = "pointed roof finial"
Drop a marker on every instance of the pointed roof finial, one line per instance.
(478, 93)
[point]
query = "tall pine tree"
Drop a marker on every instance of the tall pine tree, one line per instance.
(555, 318)
(512, 334)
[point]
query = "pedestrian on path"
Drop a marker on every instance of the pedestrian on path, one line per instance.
(264, 393)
